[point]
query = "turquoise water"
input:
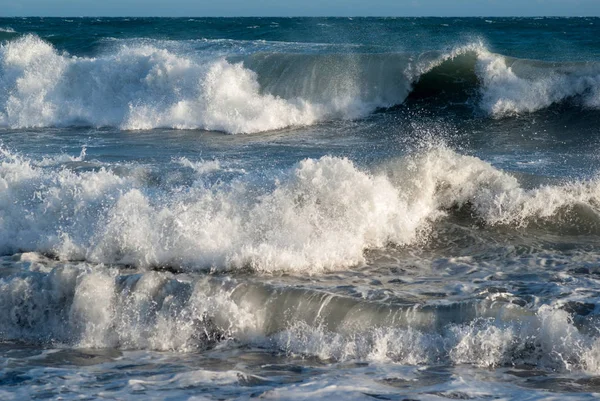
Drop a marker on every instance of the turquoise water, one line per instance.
(299, 208)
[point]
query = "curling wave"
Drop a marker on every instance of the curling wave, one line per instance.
(144, 86)
(83, 306)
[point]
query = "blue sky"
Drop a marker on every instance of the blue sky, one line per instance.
(183, 8)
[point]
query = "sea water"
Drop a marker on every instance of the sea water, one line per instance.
(299, 208)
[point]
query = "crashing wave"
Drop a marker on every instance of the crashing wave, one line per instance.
(83, 306)
(321, 214)
(142, 86)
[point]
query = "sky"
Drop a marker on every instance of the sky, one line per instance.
(269, 8)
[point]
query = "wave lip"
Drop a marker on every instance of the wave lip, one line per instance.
(511, 86)
(145, 86)
(87, 307)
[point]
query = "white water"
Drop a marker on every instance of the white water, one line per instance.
(511, 87)
(97, 307)
(137, 88)
(320, 215)
(143, 86)
(202, 266)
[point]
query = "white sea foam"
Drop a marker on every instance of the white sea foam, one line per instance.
(94, 307)
(137, 88)
(144, 85)
(449, 180)
(140, 86)
(513, 87)
(547, 339)
(320, 215)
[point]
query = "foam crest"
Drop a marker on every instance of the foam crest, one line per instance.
(227, 99)
(322, 214)
(547, 339)
(517, 86)
(55, 207)
(31, 69)
(149, 84)
(138, 87)
(319, 215)
(93, 307)
(96, 307)
(449, 181)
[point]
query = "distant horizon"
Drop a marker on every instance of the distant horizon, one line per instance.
(300, 16)
(304, 8)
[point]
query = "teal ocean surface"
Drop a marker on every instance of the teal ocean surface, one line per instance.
(300, 208)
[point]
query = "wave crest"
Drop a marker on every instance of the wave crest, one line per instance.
(142, 86)
(322, 214)
(97, 308)
(136, 88)
(512, 86)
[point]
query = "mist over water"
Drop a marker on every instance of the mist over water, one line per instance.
(299, 208)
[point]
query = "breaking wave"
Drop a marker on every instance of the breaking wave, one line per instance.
(144, 86)
(83, 306)
(322, 214)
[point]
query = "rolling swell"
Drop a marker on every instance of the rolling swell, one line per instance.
(144, 86)
(85, 307)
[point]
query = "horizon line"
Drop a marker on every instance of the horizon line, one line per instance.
(304, 16)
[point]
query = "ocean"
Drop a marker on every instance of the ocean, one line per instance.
(299, 208)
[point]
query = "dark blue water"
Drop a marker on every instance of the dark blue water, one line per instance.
(299, 208)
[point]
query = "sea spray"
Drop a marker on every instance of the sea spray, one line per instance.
(322, 214)
(143, 86)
